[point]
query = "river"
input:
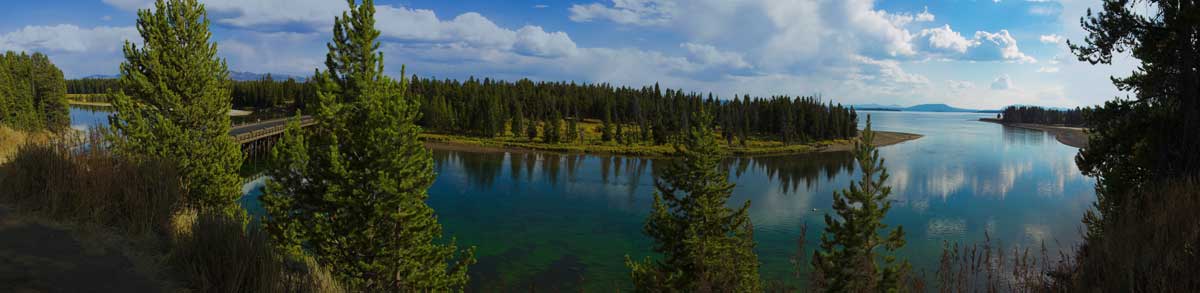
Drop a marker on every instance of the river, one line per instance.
(559, 222)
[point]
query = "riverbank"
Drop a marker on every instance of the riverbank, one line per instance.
(93, 104)
(753, 148)
(1071, 136)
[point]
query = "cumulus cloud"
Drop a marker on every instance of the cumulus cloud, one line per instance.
(534, 41)
(1002, 82)
(707, 54)
(1051, 39)
(67, 38)
(943, 40)
(998, 46)
(984, 46)
(1048, 69)
(959, 85)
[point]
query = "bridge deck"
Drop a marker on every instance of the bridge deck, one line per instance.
(254, 131)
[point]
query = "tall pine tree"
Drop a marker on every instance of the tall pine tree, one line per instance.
(846, 261)
(175, 101)
(352, 193)
(705, 245)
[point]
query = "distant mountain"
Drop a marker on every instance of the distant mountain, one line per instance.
(102, 76)
(937, 108)
(248, 76)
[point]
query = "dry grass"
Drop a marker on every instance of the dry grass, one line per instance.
(11, 140)
(1153, 247)
(81, 182)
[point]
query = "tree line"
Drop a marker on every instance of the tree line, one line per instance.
(32, 92)
(259, 94)
(1039, 115)
(647, 115)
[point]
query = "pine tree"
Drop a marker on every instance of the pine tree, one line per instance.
(705, 245)
(553, 128)
(518, 121)
(532, 130)
(352, 192)
(847, 258)
(606, 129)
(174, 103)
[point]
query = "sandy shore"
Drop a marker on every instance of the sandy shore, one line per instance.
(1072, 136)
(882, 138)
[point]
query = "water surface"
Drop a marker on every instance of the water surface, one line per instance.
(558, 222)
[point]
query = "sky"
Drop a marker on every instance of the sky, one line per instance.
(982, 54)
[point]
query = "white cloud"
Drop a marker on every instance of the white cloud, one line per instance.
(541, 6)
(532, 40)
(67, 38)
(707, 54)
(925, 16)
(1048, 69)
(1051, 39)
(636, 12)
(998, 46)
(1002, 82)
(944, 40)
(984, 46)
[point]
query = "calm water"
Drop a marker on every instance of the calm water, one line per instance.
(559, 222)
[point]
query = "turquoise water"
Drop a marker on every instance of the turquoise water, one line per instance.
(559, 222)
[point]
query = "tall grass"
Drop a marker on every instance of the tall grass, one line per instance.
(1153, 247)
(984, 267)
(64, 181)
(80, 180)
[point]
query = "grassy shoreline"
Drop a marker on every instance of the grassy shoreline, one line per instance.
(753, 148)
(1070, 136)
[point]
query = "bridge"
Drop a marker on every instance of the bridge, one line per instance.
(258, 138)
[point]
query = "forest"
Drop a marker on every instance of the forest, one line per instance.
(32, 92)
(253, 94)
(646, 115)
(1040, 115)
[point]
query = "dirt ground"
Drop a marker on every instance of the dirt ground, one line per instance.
(38, 256)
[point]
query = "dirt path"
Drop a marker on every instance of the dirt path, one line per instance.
(40, 257)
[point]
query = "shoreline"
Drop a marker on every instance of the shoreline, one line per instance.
(1070, 136)
(473, 144)
(93, 104)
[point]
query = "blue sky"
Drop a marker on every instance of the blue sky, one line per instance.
(979, 54)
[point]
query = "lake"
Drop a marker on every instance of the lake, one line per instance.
(563, 221)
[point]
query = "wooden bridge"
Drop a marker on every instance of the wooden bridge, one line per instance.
(259, 137)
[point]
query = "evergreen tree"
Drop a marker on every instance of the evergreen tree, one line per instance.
(846, 261)
(518, 121)
(606, 128)
(572, 129)
(553, 128)
(531, 131)
(352, 193)
(174, 103)
(705, 245)
(1137, 143)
